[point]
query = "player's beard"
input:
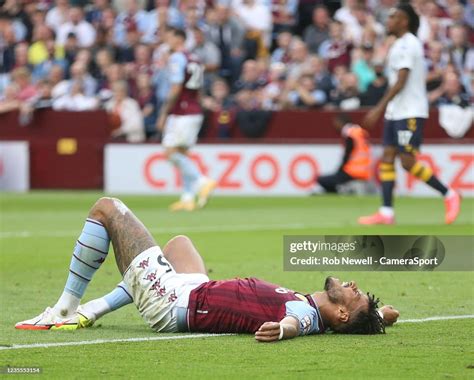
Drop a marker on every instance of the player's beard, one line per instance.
(333, 291)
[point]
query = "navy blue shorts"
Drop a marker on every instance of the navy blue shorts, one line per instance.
(406, 134)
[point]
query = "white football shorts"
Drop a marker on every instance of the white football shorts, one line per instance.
(181, 130)
(158, 291)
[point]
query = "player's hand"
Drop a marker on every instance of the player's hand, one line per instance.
(160, 124)
(390, 315)
(268, 332)
(371, 118)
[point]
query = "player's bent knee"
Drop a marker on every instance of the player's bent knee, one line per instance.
(169, 152)
(103, 208)
(178, 240)
(407, 162)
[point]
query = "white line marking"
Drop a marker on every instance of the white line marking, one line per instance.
(192, 336)
(440, 318)
(102, 341)
(182, 229)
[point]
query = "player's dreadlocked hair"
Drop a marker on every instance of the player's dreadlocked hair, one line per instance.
(369, 322)
(414, 20)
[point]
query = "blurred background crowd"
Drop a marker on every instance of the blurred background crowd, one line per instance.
(258, 54)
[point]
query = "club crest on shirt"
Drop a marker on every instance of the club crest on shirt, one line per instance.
(305, 324)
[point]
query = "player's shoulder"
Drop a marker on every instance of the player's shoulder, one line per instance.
(409, 41)
(178, 56)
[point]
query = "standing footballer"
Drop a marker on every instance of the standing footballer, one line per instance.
(406, 109)
(180, 120)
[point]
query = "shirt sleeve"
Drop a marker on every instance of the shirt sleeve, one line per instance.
(403, 57)
(319, 96)
(306, 316)
(177, 66)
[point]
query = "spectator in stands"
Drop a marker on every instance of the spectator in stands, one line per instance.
(271, 93)
(7, 50)
(41, 70)
(336, 50)
(436, 62)
(459, 46)
(356, 161)
(80, 75)
(127, 109)
(382, 10)
(228, 35)
(8, 99)
(345, 14)
(304, 94)
(250, 79)
(94, 12)
(126, 52)
(220, 97)
(318, 32)
(364, 21)
(450, 92)
(141, 61)
(38, 51)
(282, 51)
(221, 103)
(192, 21)
(21, 55)
(161, 16)
(70, 49)
(361, 66)
(146, 98)
(55, 76)
(132, 18)
(257, 21)
(317, 68)
(58, 15)
(84, 32)
(429, 23)
(75, 99)
(208, 55)
(376, 90)
(346, 94)
(114, 73)
(103, 60)
(284, 15)
(298, 59)
(25, 89)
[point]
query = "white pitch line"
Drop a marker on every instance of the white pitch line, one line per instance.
(103, 341)
(439, 318)
(191, 336)
(220, 228)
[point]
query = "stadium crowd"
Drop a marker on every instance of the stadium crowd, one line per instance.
(258, 54)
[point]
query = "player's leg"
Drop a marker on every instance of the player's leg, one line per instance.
(330, 182)
(181, 254)
(387, 174)
(108, 220)
(180, 134)
(425, 173)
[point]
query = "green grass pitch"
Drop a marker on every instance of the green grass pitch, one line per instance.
(236, 237)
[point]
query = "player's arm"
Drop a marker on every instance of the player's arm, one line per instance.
(287, 328)
(389, 314)
(375, 113)
(349, 147)
(168, 105)
(176, 77)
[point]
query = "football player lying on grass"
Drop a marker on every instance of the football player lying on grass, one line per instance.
(172, 292)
